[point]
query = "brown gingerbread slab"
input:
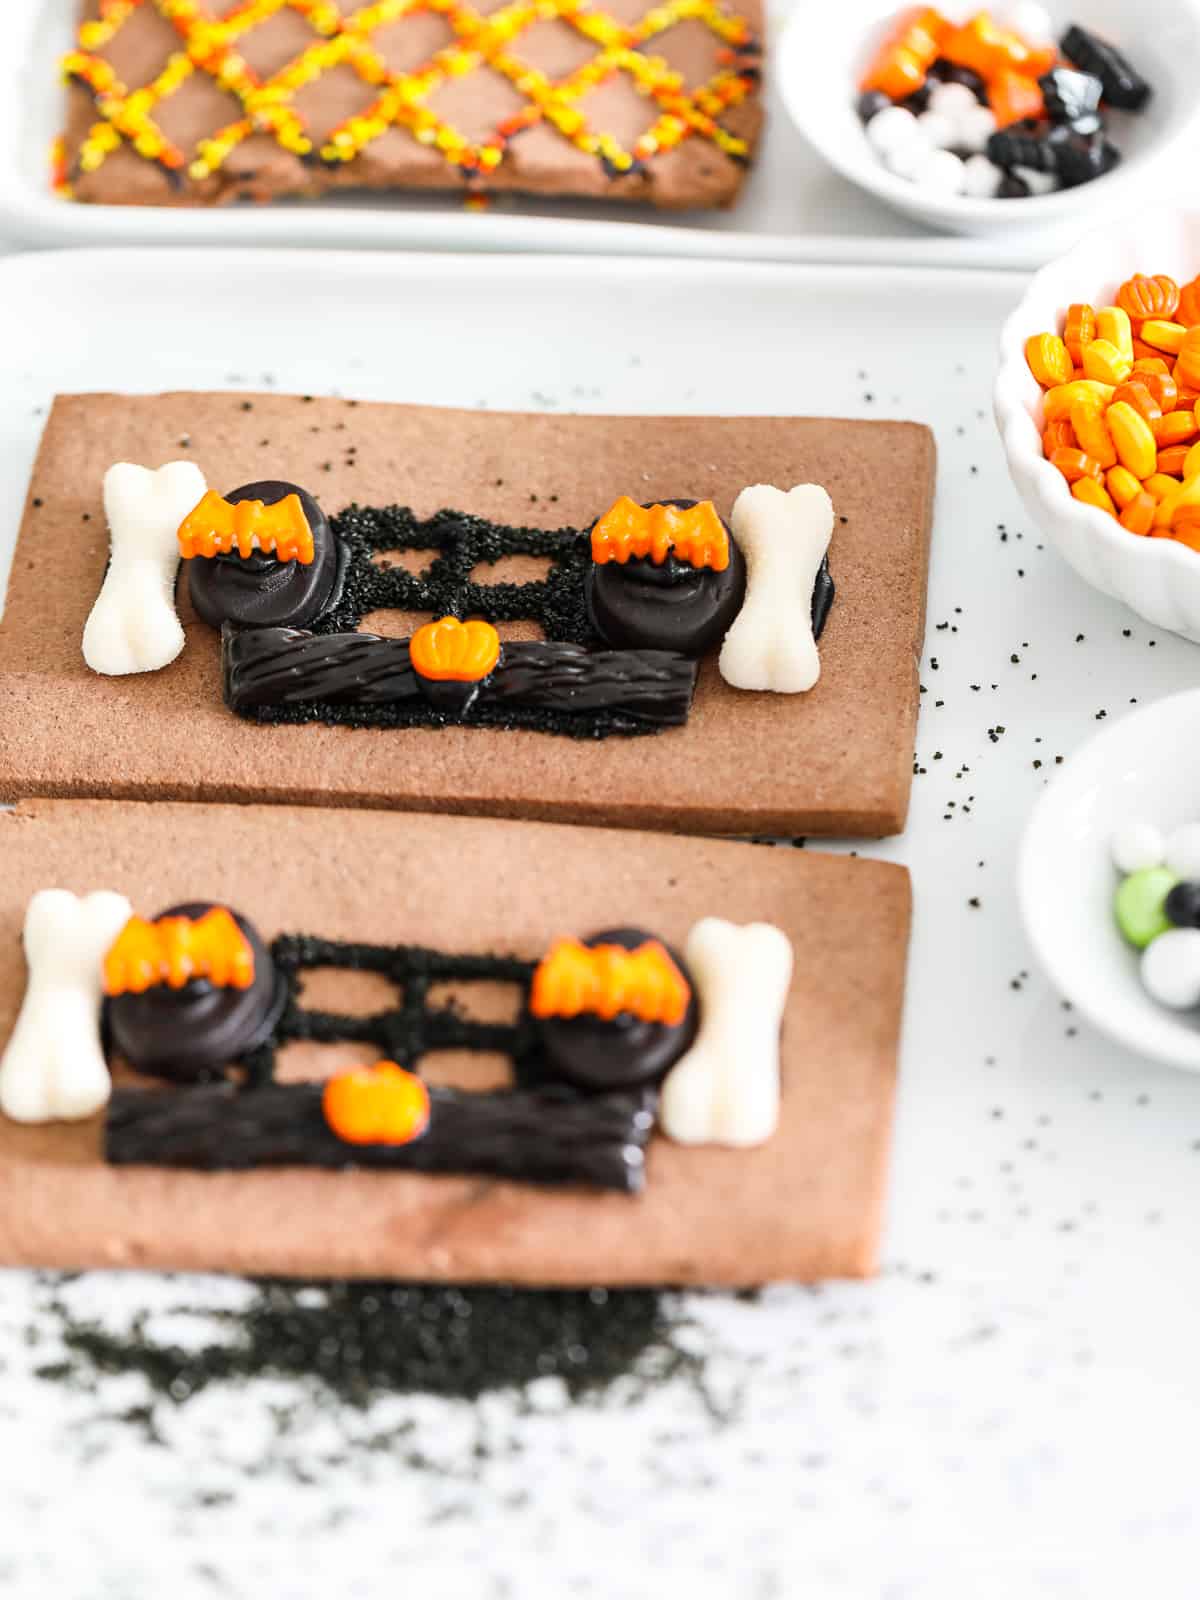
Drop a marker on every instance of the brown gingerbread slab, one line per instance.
(805, 1205)
(837, 760)
(621, 101)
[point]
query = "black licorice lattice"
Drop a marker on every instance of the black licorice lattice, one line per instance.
(539, 1131)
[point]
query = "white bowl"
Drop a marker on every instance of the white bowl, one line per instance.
(1157, 578)
(824, 52)
(1146, 767)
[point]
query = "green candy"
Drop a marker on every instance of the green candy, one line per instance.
(1139, 905)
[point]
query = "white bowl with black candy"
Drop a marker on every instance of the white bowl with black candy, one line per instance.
(1140, 775)
(1159, 579)
(821, 60)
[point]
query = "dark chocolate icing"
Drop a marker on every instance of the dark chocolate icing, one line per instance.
(260, 591)
(194, 1033)
(625, 1053)
(643, 605)
(278, 674)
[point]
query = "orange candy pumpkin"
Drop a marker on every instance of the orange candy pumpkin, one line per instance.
(1143, 297)
(450, 650)
(382, 1104)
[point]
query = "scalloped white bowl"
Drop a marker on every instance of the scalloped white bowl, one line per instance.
(824, 51)
(1157, 578)
(1145, 767)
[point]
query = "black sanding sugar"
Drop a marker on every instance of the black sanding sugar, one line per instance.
(362, 1341)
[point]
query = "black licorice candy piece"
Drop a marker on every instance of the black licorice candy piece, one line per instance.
(870, 103)
(259, 591)
(1069, 94)
(1182, 905)
(1013, 187)
(1124, 86)
(943, 71)
(1019, 147)
(192, 1034)
(542, 1135)
(1080, 159)
(625, 1053)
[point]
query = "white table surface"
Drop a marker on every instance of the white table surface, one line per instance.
(1007, 1411)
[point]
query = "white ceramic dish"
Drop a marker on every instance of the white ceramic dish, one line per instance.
(1163, 41)
(1146, 767)
(793, 206)
(1157, 578)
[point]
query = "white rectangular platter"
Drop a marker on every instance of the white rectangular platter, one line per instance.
(792, 208)
(999, 1414)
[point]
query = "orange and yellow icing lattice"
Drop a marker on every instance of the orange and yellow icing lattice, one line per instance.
(209, 43)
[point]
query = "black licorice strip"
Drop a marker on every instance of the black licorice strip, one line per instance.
(550, 1135)
(275, 674)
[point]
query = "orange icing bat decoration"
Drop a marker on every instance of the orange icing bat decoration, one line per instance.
(465, 652)
(605, 979)
(696, 535)
(382, 1104)
(216, 527)
(174, 950)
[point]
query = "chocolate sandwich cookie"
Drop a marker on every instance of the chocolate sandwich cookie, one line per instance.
(625, 1053)
(641, 604)
(191, 1034)
(259, 590)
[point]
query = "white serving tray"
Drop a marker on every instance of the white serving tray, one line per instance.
(793, 207)
(998, 1415)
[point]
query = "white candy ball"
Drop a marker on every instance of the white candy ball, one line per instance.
(1182, 851)
(1031, 20)
(981, 177)
(974, 128)
(890, 128)
(905, 161)
(939, 130)
(1171, 968)
(953, 100)
(941, 172)
(1039, 182)
(1137, 845)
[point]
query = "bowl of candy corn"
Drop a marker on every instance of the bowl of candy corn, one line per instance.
(1108, 880)
(1026, 116)
(1098, 404)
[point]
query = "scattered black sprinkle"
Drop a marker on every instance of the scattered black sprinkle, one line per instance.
(361, 1340)
(974, 902)
(38, 503)
(247, 405)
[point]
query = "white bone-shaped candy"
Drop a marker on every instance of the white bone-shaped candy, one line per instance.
(725, 1090)
(784, 538)
(133, 626)
(54, 1065)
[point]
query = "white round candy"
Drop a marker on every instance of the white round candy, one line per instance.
(1029, 19)
(1039, 182)
(1137, 845)
(942, 172)
(1171, 968)
(890, 128)
(952, 100)
(939, 130)
(905, 161)
(982, 177)
(974, 128)
(1182, 851)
